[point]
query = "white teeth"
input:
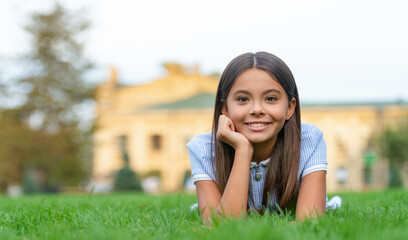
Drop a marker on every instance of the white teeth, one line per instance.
(257, 124)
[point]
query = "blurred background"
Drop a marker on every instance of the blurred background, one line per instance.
(101, 96)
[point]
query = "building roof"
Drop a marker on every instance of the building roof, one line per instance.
(199, 101)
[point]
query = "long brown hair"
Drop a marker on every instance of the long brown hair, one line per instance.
(282, 169)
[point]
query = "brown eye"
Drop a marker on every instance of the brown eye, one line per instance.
(271, 99)
(242, 99)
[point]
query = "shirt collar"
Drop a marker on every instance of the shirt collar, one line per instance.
(263, 163)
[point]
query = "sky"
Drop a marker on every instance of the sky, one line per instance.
(338, 51)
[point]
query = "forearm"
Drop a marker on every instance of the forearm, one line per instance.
(235, 197)
(312, 196)
(311, 211)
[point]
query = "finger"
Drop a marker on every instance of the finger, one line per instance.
(222, 126)
(221, 122)
(232, 125)
(224, 123)
(229, 123)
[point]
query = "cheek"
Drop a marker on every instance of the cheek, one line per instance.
(236, 119)
(237, 115)
(279, 113)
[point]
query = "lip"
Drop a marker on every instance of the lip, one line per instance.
(258, 129)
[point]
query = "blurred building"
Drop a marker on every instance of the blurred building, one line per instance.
(157, 119)
(350, 131)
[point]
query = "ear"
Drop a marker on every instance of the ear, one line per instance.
(291, 108)
(224, 108)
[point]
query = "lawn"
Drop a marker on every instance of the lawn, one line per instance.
(369, 215)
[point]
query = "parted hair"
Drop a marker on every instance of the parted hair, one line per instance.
(282, 169)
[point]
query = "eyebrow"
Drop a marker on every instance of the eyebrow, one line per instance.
(264, 92)
(272, 90)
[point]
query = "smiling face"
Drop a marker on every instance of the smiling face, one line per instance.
(258, 106)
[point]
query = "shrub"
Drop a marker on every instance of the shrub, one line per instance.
(127, 180)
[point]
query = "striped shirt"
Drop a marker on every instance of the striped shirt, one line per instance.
(312, 158)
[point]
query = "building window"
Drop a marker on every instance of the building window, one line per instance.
(156, 142)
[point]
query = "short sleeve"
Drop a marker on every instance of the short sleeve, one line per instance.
(313, 150)
(199, 151)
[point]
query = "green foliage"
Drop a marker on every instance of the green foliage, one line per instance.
(56, 58)
(127, 180)
(13, 151)
(369, 215)
(394, 177)
(393, 143)
(23, 148)
(30, 183)
(43, 132)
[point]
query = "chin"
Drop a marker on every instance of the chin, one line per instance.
(257, 139)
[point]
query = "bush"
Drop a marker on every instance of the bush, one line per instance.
(127, 180)
(395, 176)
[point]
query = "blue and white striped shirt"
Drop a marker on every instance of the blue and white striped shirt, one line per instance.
(312, 158)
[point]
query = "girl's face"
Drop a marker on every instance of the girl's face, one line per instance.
(258, 105)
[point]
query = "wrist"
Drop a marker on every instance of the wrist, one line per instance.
(245, 149)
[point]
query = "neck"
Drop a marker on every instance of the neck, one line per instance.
(263, 151)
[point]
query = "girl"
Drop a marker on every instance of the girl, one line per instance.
(258, 154)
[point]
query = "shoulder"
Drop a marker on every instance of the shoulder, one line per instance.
(200, 145)
(312, 145)
(312, 150)
(200, 141)
(311, 134)
(199, 150)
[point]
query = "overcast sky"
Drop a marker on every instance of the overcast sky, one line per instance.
(349, 50)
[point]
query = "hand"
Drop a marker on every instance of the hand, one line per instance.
(226, 133)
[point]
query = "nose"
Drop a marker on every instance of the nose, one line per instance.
(257, 110)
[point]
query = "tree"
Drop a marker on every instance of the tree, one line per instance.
(126, 179)
(43, 132)
(393, 145)
(56, 81)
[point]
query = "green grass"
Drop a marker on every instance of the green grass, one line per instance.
(371, 215)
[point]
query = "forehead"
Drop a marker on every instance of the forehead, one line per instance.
(256, 80)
